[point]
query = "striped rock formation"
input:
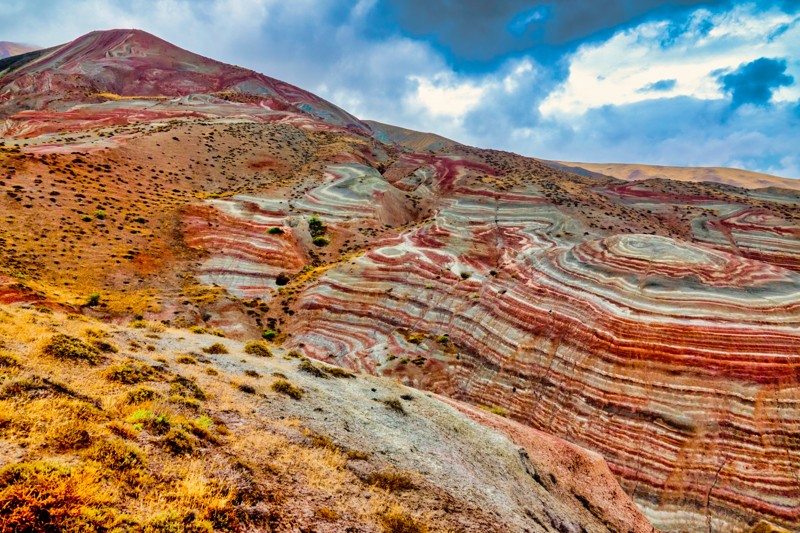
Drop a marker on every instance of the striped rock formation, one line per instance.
(673, 353)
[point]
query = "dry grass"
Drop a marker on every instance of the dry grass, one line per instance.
(160, 456)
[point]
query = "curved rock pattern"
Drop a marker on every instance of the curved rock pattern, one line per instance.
(677, 361)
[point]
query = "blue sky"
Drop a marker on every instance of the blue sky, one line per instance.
(685, 82)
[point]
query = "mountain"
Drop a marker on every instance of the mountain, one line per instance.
(728, 176)
(8, 49)
(654, 323)
(132, 64)
(414, 140)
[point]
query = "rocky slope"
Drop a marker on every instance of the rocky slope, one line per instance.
(147, 428)
(654, 322)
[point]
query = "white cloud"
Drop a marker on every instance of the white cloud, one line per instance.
(614, 71)
(443, 95)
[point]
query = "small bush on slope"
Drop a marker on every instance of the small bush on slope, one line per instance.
(62, 346)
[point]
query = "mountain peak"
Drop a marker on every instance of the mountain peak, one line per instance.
(133, 63)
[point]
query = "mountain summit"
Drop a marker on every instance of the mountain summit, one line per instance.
(134, 63)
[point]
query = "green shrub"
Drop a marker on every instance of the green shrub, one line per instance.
(93, 300)
(316, 227)
(63, 346)
(275, 231)
(269, 334)
(320, 242)
(100, 214)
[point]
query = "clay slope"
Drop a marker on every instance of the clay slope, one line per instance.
(654, 322)
(8, 49)
(729, 176)
(148, 429)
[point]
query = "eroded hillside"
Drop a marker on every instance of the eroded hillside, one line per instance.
(654, 322)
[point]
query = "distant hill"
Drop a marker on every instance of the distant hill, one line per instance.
(415, 140)
(729, 176)
(8, 49)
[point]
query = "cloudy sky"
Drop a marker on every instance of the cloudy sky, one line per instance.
(685, 82)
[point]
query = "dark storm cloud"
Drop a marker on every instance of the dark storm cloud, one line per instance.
(482, 31)
(754, 82)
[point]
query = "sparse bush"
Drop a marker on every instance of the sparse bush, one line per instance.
(8, 361)
(466, 275)
(93, 300)
(129, 373)
(275, 230)
(184, 401)
(269, 334)
(308, 367)
(339, 372)
(122, 430)
(293, 354)
(216, 348)
(63, 346)
(327, 514)
(257, 348)
(252, 374)
(321, 242)
(284, 387)
(282, 279)
(116, 454)
(186, 360)
(141, 395)
(212, 371)
(416, 338)
(391, 481)
(397, 520)
(186, 387)
(245, 388)
(104, 346)
(395, 405)
(178, 442)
